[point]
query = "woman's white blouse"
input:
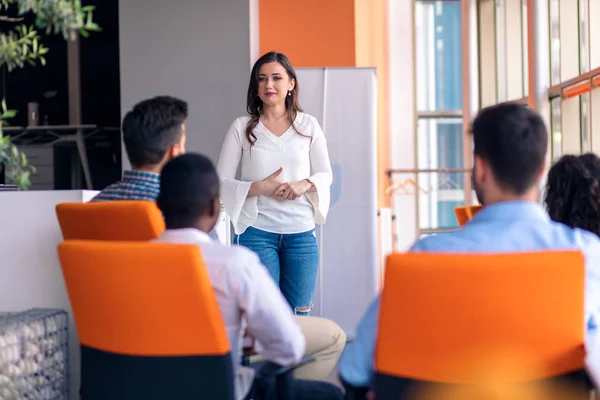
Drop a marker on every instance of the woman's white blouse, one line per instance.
(300, 157)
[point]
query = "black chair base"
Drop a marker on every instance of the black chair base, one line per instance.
(113, 376)
(388, 387)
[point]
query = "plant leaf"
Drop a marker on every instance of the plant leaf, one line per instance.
(8, 114)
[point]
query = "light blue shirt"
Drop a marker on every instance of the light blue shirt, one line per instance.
(503, 227)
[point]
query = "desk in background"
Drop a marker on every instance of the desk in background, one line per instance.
(39, 143)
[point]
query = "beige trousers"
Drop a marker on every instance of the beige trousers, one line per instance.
(325, 341)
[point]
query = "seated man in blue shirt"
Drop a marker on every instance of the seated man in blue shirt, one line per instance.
(509, 155)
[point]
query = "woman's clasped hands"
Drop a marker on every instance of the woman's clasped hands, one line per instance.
(272, 186)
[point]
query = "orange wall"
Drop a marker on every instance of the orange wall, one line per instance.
(335, 33)
(371, 36)
(312, 33)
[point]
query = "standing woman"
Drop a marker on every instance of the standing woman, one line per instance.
(285, 179)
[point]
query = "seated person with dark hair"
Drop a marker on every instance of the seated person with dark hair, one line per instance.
(510, 143)
(573, 192)
(247, 296)
(153, 133)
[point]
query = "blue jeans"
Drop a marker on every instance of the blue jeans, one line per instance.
(292, 261)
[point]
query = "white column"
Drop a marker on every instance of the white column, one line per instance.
(254, 31)
(403, 110)
(539, 61)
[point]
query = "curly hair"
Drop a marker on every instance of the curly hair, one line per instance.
(573, 192)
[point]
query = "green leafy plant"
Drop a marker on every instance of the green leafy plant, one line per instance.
(16, 167)
(22, 45)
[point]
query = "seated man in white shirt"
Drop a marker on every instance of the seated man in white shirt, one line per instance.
(247, 295)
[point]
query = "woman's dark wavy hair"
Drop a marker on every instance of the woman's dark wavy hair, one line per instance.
(573, 192)
(253, 102)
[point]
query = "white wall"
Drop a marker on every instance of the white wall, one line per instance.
(196, 50)
(30, 273)
(344, 101)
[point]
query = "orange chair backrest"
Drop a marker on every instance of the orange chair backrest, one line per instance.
(110, 220)
(150, 299)
(448, 317)
(465, 213)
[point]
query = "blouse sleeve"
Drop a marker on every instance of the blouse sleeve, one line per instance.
(234, 193)
(321, 176)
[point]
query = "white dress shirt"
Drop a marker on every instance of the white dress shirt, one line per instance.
(301, 157)
(247, 297)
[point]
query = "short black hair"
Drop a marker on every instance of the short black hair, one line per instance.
(151, 127)
(573, 192)
(513, 139)
(188, 185)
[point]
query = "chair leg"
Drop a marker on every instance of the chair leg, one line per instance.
(283, 386)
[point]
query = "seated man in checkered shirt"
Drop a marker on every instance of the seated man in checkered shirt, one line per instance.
(153, 133)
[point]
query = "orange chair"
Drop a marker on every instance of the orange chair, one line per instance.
(460, 319)
(110, 220)
(465, 213)
(147, 330)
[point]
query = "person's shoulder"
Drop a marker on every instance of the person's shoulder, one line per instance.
(561, 236)
(235, 256)
(243, 120)
(585, 239)
(239, 124)
(111, 192)
(307, 124)
(564, 235)
(241, 252)
(441, 241)
(303, 118)
(424, 244)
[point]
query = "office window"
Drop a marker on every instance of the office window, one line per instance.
(569, 21)
(575, 75)
(525, 50)
(584, 38)
(502, 38)
(585, 118)
(488, 66)
(440, 132)
(438, 61)
(571, 125)
(594, 35)
(595, 119)
(440, 147)
(555, 129)
(554, 42)
(501, 48)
